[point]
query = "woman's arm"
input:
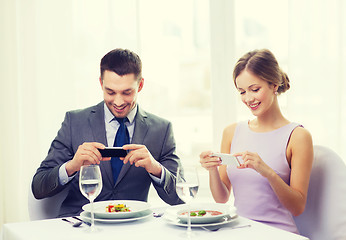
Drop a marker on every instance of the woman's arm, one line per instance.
(220, 185)
(300, 156)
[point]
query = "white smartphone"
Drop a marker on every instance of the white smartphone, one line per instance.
(227, 159)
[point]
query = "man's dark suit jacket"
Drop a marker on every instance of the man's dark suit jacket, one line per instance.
(133, 183)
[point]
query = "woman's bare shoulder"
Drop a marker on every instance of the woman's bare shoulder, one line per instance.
(227, 137)
(229, 130)
(301, 135)
(301, 141)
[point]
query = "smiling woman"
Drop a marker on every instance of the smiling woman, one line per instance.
(254, 91)
(256, 75)
(271, 183)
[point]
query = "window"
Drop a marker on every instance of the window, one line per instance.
(174, 47)
(263, 25)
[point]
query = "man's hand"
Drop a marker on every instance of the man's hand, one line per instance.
(86, 154)
(141, 157)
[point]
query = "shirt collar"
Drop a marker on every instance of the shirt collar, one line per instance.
(110, 117)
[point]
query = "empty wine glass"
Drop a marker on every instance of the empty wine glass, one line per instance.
(187, 187)
(90, 185)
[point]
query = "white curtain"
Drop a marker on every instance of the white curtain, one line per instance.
(317, 69)
(50, 54)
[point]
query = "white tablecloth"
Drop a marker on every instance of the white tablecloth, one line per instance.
(149, 228)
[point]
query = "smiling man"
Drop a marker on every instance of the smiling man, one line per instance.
(148, 139)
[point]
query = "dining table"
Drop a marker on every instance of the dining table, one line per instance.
(154, 225)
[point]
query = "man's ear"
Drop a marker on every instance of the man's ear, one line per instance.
(101, 82)
(140, 84)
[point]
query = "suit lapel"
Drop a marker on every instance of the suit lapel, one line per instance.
(97, 125)
(141, 129)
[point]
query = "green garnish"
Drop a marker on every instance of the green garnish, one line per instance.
(202, 213)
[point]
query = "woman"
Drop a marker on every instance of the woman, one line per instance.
(271, 184)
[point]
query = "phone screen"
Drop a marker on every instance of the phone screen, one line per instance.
(113, 152)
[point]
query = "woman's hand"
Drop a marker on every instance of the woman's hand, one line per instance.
(254, 161)
(209, 162)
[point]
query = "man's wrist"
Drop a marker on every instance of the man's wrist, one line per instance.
(64, 178)
(157, 172)
(69, 169)
(159, 179)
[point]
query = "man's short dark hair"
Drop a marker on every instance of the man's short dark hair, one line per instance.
(122, 62)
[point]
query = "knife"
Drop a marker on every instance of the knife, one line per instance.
(85, 222)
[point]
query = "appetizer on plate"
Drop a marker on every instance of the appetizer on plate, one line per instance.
(114, 209)
(117, 208)
(201, 213)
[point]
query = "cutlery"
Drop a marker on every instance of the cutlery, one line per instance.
(214, 229)
(157, 215)
(211, 229)
(77, 224)
(243, 226)
(87, 223)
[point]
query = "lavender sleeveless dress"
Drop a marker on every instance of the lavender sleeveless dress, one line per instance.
(254, 197)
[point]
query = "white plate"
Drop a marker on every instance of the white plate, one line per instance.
(145, 214)
(223, 209)
(136, 208)
(173, 214)
(178, 222)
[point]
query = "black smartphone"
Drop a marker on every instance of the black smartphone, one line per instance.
(113, 152)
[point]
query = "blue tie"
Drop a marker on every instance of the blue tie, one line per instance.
(121, 138)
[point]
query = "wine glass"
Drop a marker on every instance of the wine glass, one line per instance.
(187, 187)
(90, 185)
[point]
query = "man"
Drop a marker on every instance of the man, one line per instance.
(151, 157)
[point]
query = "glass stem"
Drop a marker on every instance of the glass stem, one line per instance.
(92, 215)
(189, 221)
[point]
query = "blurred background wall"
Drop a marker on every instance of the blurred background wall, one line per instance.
(49, 64)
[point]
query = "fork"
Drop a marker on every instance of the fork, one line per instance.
(87, 223)
(214, 229)
(77, 224)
